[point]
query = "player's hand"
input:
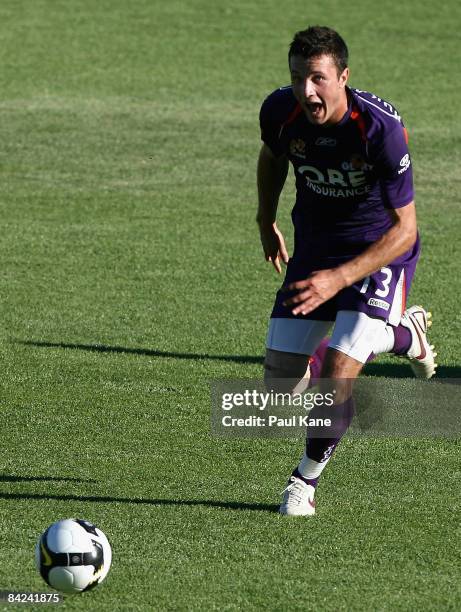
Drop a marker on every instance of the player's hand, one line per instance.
(273, 245)
(315, 290)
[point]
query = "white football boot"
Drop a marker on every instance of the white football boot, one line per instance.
(421, 354)
(298, 498)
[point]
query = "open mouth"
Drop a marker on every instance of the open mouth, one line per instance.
(315, 108)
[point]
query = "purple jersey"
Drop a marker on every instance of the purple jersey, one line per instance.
(347, 175)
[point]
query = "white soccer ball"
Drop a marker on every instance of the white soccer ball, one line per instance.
(73, 555)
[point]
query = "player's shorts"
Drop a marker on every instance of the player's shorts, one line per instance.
(354, 333)
(359, 312)
(381, 295)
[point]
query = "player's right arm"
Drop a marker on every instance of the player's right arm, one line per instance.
(271, 175)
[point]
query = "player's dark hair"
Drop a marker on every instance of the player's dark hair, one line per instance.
(320, 40)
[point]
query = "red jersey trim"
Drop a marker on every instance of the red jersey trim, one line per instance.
(291, 117)
(357, 116)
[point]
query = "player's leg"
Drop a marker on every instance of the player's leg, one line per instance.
(290, 343)
(318, 358)
(291, 340)
(348, 351)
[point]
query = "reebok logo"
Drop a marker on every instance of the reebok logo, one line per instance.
(405, 163)
(325, 142)
(378, 303)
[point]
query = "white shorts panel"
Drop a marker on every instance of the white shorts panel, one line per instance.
(355, 333)
(296, 335)
(398, 303)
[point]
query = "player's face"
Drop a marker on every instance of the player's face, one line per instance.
(319, 89)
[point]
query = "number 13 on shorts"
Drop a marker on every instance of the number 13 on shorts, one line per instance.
(384, 293)
(385, 282)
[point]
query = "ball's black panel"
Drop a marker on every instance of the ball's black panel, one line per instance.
(98, 562)
(96, 577)
(87, 526)
(96, 557)
(47, 558)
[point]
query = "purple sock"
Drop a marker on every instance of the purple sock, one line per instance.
(402, 341)
(310, 481)
(320, 449)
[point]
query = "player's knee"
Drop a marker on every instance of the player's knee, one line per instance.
(337, 364)
(338, 374)
(286, 372)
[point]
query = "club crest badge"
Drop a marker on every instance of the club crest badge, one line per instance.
(298, 148)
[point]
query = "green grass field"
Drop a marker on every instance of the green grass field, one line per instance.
(132, 276)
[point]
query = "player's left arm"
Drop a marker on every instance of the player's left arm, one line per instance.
(395, 242)
(324, 284)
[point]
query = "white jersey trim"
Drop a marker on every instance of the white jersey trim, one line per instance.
(394, 115)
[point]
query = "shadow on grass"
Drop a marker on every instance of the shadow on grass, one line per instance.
(13, 478)
(399, 369)
(102, 348)
(227, 505)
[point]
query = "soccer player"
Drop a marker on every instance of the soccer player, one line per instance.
(356, 240)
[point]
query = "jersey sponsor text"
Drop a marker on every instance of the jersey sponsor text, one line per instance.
(335, 183)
